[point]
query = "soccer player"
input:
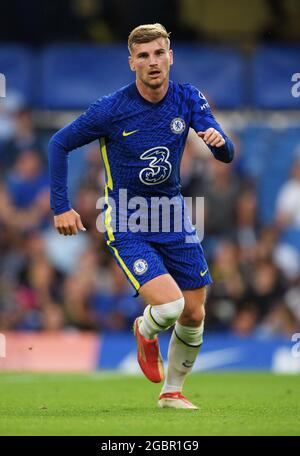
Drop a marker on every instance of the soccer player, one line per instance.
(142, 130)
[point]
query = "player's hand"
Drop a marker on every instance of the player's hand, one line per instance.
(68, 223)
(212, 137)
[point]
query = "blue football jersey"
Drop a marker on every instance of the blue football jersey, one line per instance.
(141, 142)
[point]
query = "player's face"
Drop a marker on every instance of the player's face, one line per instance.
(151, 62)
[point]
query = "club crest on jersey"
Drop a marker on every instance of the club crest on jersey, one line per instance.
(177, 125)
(140, 266)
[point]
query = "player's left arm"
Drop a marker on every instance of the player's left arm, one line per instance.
(207, 128)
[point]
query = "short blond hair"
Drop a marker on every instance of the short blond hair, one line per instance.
(146, 33)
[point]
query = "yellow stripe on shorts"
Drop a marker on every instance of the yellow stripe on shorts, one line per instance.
(107, 220)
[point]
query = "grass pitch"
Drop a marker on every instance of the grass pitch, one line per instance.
(107, 404)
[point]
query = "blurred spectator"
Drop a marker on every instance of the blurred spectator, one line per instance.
(86, 199)
(10, 312)
(288, 201)
(229, 286)
(266, 243)
(94, 175)
(27, 179)
(287, 259)
(245, 320)
(24, 138)
(246, 224)
(221, 190)
(25, 200)
(64, 253)
(287, 254)
(292, 299)
(279, 322)
(114, 307)
(266, 289)
(193, 165)
(77, 290)
(33, 291)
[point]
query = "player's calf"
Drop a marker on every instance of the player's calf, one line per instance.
(155, 319)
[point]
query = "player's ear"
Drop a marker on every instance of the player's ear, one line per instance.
(131, 63)
(171, 56)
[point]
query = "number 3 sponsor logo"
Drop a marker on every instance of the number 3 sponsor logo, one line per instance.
(159, 168)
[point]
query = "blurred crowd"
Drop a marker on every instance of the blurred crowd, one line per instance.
(50, 282)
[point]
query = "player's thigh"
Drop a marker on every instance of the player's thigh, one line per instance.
(145, 270)
(186, 263)
(194, 307)
(160, 290)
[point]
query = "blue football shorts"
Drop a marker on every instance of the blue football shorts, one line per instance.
(142, 260)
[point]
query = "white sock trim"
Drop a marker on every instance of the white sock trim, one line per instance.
(165, 315)
(159, 318)
(190, 335)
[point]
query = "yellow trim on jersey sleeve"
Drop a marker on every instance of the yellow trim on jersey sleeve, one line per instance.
(107, 220)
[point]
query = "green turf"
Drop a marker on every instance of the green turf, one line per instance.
(109, 404)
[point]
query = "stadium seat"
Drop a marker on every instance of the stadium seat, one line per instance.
(218, 72)
(73, 76)
(255, 141)
(18, 64)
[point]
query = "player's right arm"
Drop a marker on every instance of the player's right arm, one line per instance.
(91, 125)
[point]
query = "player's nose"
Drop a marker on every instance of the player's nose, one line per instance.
(153, 61)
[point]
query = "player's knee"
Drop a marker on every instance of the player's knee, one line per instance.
(195, 317)
(175, 309)
(201, 314)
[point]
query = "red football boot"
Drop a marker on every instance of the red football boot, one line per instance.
(175, 400)
(148, 355)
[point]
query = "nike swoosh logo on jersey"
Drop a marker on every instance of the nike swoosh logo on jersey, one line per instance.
(202, 273)
(127, 133)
